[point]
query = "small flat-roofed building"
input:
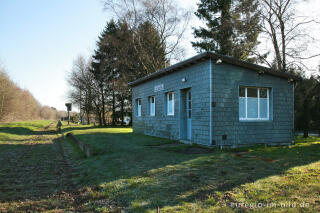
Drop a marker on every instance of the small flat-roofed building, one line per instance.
(212, 99)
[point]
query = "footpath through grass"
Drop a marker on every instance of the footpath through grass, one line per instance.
(41, 172)
(33, 171)
(138, 173)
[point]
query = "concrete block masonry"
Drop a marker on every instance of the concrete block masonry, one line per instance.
(212, 115)
(84, 147)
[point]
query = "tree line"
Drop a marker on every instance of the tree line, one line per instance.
(100, 85)
(18, 104)
(145, 36)
(233, 27)
(143, 39)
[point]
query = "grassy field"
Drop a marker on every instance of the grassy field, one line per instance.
(141, 174)
(33, 170)
(135, 173)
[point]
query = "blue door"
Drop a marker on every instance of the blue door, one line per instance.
(189, 114)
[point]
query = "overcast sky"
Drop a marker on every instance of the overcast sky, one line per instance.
(40, 39)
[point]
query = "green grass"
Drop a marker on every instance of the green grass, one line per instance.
(31, 125)
(19, 131)
(32, 171)
(139, 173)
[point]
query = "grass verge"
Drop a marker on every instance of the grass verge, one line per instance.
(141, 174)
(33, 176)
(138, 173)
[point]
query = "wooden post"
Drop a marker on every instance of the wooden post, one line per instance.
(69, 108)
(68, 117)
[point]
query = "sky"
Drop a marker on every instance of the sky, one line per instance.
(40, 39)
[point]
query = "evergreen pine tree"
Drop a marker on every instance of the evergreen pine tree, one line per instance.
(232, 27)
(124, 55)
(101, 65)
(150, 50)
(139, 52)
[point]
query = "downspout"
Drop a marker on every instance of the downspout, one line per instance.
(210, 104)
(293, 129)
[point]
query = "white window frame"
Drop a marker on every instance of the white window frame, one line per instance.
(170, 113)
(139, 108)
(152, 106)
(258, 96)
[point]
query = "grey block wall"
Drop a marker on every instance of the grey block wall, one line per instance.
(162, 125)
(226, 81)
(227, 129)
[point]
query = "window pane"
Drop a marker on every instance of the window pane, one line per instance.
(252, 92)
(263, 93)
(152, 105)
(252, 107)
(170, 103)
(263, 108)
(242, 107)
(242, 92)
(170, 107)
(139, 107)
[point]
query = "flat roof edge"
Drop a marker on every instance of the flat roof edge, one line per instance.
(210, 55)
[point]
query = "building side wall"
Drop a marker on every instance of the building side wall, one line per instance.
(162, 125)
(226, 80)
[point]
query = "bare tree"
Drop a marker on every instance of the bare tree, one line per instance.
(288, 33)
(82, 90)
(48, 113)
(16, 103)
(4, 92)
(169, 20)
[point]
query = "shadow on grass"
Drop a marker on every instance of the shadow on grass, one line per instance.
(31, 171)
(25, 131)
(137, 172)
(66, 128)
(71, 128)
(131, 171)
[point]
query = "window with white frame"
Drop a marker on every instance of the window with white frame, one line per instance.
(152, 106)
(254, 103)
(138, 101)
(170, 103)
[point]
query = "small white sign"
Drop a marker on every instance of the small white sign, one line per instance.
(158, 88)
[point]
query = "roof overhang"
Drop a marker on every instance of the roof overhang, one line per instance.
(210, 55)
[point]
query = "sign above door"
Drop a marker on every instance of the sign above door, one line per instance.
(158, 88)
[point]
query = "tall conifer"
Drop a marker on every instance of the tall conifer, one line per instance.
(232, 27)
